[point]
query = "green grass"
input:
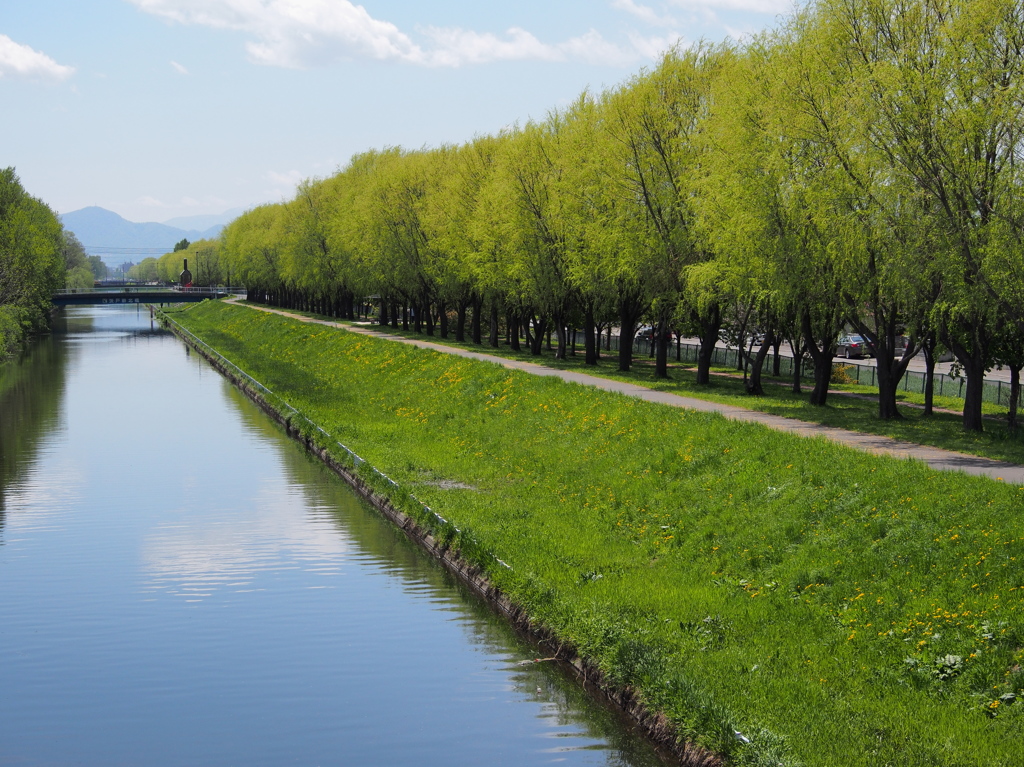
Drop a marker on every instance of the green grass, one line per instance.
(836, 608)
(857, 413)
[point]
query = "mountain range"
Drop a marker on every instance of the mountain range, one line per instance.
(105, 233)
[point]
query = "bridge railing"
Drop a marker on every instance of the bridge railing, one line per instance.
(139, 288)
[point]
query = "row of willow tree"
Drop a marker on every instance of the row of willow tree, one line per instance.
(37, 257)
(859, 166)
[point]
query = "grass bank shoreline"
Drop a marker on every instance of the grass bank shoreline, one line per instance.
(851, 406)
(654, 725)
(833, 607)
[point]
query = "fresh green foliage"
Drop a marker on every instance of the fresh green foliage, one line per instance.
(831, 607)
(32, 264)
(856, 168)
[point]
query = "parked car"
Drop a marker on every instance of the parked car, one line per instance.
(854, 346)
(646, 333)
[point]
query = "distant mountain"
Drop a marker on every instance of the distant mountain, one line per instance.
(106, 234)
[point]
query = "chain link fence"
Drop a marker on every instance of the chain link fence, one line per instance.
(945, 385)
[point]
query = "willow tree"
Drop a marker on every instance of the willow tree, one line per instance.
(945, 83)
(368, 227)
(463, 261)
(526, 205)
(315, 265)
(252, 249)
(655, 122)
(594, 246)
(401, 240)
(740, 202)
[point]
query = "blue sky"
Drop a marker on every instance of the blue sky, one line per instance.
(163, 108)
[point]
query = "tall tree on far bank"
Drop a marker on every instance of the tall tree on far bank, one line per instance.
(32, 261)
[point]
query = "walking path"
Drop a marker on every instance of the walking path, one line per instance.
(942, 460)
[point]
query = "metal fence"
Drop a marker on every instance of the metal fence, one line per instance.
(944, 385)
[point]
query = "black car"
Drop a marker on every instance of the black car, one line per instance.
(854, 346)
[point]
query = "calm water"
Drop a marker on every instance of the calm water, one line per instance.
(180, 584)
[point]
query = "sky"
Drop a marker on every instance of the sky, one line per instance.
(157, 109)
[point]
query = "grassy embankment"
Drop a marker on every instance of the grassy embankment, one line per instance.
(834, 607)
(857, 413)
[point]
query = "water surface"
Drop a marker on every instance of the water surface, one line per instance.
(180, 584)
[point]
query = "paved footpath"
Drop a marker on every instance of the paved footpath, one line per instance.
(942, 460)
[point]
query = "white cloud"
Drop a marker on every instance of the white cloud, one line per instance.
(179, 68)
(594, 49)
(20, 60)
(654, 47)
(302, 33)
(460, 46)
(644, 12)
(773, 7)
(289, 179)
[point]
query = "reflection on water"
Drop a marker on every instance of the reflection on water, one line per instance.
(184, 585)
(30, 399)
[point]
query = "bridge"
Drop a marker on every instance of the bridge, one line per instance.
(140, 294)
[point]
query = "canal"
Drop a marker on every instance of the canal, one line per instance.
(181, 584)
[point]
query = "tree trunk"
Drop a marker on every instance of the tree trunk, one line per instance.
(709, 328)
(513, 331)
(383, 319)
(537, 343)
(822, 378)
(478, 320)
(661, 339)
(890, 369)
(754, 384)
(460, 320)
(888, 384)
(1011, 413)
(973, 362)
(822, 359)
(590, 336)
(630, 310)
(443, 317)
(493, 337)
(560, 335)
(928, 347)
(973, 396)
